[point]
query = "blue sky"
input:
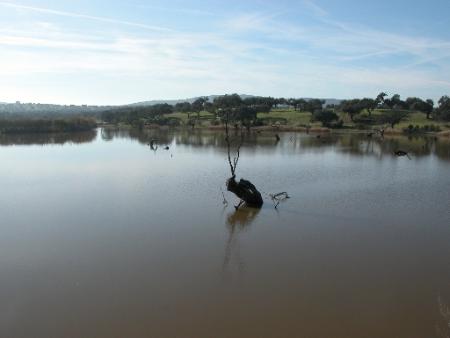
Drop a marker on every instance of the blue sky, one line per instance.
(115, 52)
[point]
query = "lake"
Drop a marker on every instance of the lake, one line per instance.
(101, 236)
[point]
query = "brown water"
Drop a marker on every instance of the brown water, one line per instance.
(102, 237)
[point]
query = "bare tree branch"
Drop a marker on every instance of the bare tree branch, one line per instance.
(243, 189)
(227, 138)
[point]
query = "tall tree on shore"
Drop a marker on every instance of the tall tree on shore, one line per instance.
(380, 99)
(183, 107)
(369, 105)
(443, 110)
(428, 108)
(393, 117)
(352, 107)
(417, 104)
(225, 102)
(198, 105)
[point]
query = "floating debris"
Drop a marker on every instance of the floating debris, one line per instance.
(279, 197)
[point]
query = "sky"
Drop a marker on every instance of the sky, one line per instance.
(119, 52)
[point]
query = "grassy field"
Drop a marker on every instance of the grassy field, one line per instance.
(292, 118)
(413, 118)
(183, 117)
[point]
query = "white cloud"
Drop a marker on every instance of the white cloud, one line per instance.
(83, 16)
(286, 60)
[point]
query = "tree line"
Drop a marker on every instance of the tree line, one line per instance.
(243, 110)
(32, 110)
(391, 110)
(394, 109)
(39, 125)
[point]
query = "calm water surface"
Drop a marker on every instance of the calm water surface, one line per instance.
(100, 236)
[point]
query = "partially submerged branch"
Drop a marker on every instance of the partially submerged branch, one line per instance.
(243, 189)
(246, 191)
(279, 197)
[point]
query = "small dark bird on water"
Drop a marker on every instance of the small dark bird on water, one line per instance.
(166, 148)
(318, 136)
(401, 153)
(277, 137)
(369, 134)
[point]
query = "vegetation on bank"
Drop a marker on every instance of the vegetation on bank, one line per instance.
(413, 115)
(46, 111)
(382, 113)
(39, 125)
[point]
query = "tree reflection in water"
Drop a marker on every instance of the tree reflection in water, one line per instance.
(42, 139)
(349, 143)
(238, 221)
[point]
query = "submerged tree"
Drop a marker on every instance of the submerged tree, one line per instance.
(243, 189)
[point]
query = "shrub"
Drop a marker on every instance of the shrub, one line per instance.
(326, 117)
(424, 129)
(215, 122)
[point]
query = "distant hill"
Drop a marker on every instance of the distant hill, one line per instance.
(173, 102)
(329, 101)
(211, 98)
(39, 109)
(48, 110)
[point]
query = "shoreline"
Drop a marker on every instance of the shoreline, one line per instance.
(283, 129)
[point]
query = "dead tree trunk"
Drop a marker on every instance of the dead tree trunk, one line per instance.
(243, 189)
(246, 191)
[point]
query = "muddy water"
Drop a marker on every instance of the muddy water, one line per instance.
(100, 236)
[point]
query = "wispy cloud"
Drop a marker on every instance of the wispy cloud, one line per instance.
(84, 16)
(316, 9)
(342, 41)
(250, 21)
(192, 11)
(256, 52)
(365, 42)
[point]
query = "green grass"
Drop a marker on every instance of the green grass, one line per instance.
(293, 118)
(413, 118)
(183, 117)
(417, 119)
(299, 118)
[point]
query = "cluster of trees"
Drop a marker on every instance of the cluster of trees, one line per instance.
(136, 115)
(37, 125)
(238, 109)
(394, 109)
(32, 110)
(390, 110)
(234, 108)
(311, 105)
(442, 112)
